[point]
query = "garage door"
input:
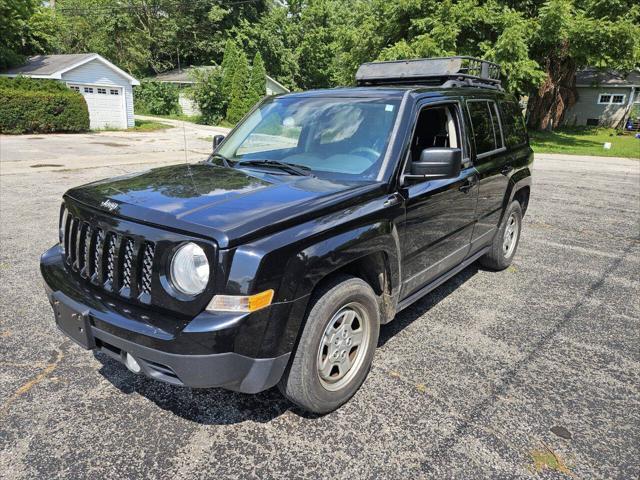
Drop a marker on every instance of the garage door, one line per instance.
(106, 105)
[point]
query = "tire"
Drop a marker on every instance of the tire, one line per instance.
(500, 257)
(319, 378)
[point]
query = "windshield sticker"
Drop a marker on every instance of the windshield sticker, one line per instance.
(388, 108)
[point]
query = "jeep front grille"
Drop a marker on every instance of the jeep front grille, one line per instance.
(117, 262)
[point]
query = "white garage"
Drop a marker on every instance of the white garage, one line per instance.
(107, 89)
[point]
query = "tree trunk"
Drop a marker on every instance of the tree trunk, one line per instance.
(558, 92)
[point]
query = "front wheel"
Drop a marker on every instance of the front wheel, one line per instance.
(336, 348)
(505, 242)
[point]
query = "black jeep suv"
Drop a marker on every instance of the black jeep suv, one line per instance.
(317, 219)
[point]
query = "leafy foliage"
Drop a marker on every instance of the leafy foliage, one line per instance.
(156, 98)
(238, 97)
(257, 82)
(208, 95)
(35, 106)
(320, 43)
(25, 29)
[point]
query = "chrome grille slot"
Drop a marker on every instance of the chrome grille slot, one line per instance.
(147, 268)
(110, 260)
(86, 253)
(73, 231)
(98, 248)
(127, 263)
(81, 234)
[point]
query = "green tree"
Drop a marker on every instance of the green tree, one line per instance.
(237, 100)
(572, 35)
(257, 82)
(229, 64)
(26, 28)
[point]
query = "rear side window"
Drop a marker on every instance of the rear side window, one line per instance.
(513, 127)
(486, 130)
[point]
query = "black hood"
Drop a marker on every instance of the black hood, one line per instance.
(224, 204)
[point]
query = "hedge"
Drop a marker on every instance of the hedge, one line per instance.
(28, 109)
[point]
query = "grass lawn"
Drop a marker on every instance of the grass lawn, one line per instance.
(175, 116)
(149, 126)
(585, 141)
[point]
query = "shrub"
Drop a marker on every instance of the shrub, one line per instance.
(31, 84)
(157, 98)
(35, 106)
(208, 95)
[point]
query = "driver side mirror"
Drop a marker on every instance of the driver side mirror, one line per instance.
(217, 140)
(436, 163)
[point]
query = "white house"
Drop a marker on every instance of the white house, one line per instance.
(184, 78)
(605, 98)
(106, 88)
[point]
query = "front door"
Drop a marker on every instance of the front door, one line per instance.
(439, 213)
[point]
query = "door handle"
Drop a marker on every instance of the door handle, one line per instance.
(466, 186)
(392, 200)
(506, 170)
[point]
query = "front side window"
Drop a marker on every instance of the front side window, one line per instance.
(343, 138)
(483, 127)
(436, 127)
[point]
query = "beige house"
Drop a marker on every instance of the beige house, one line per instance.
(184, 78)
(604, 98)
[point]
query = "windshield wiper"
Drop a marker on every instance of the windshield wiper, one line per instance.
(225, 160)
(287, 167)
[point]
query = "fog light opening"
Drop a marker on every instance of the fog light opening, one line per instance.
(132, 364)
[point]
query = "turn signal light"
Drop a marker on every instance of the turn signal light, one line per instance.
(240, 303)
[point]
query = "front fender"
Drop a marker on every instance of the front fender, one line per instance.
(293, 261)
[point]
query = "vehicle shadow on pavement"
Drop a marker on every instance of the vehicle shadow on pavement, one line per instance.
(426, 303)
(216, 406)
(210, 406)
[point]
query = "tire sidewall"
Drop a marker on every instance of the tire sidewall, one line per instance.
(514, 208)
(348, 291)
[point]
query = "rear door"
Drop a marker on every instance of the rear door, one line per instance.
(493, 164)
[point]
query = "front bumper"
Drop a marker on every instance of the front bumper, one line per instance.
(211, 350)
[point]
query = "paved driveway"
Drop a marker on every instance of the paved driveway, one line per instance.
(467, 383)
(24, 153)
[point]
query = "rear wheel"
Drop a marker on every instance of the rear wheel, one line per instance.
(505, 243)
(336, 347)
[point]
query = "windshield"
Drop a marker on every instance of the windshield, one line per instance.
(337, 138)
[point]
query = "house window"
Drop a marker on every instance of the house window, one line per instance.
(88, 90)
(74, 87)
(102, 91)
(114, 91)
(609, 98)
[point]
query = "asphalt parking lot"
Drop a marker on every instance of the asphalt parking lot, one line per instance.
(467, 383)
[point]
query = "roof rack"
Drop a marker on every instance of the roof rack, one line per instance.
(444, 71)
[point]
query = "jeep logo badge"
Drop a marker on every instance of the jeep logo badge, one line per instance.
(109, 205)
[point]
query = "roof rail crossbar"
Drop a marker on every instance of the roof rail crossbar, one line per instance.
(453, 71)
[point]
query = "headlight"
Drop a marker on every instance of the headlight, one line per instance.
(190, 269)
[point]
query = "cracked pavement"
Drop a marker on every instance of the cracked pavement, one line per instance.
(466, 383)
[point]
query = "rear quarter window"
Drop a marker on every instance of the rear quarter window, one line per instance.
(513, 127)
